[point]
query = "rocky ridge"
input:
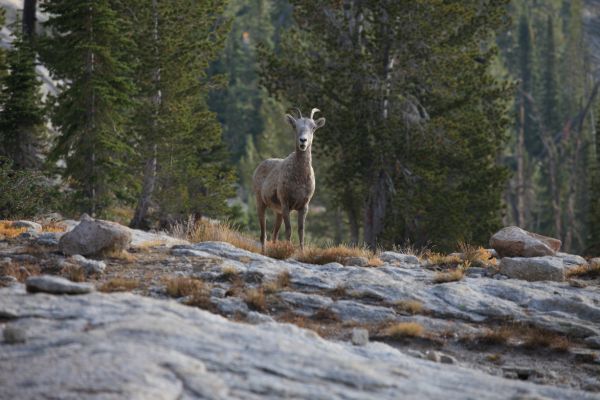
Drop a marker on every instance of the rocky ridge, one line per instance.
(385, 332)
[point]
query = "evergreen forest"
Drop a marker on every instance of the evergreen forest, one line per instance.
(446, 119)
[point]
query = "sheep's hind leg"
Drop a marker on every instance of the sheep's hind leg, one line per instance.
(278, 221)
(260, 209)
(301, 218)
(285, 211)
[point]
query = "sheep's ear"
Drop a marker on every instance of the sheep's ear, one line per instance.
(290, 120)
(320, 123)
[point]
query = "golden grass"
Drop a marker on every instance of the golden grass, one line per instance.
(529, 337)
(74, 273)
(587, 270)
(207, 231)
(20, 271)
(256, 300)
(476, 255)
(230, 273)
(409, 306)
(119, 285)
(404, 329)
(498, 335)
(284, 279)
(325, 314)
(122, 255)
(54, 227)
(537, 338)
(182, 286)
(320, 256)
(450, 276)
(281, 250)
(442, 259)
(8, 232)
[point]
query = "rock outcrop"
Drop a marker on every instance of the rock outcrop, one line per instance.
(513, 241)
(125, 346)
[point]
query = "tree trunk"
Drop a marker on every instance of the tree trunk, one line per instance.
(139, 219)
(148, 184)
(520, 189)
(29, 7)
(354, 226)
(375, 209)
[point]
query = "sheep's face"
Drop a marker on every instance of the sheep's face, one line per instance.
(304, 129)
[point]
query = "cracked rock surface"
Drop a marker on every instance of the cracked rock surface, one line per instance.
(129, 346)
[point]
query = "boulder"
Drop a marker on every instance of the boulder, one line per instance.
(56, 285)
(513, 241)
(95, 237)
(533, 268)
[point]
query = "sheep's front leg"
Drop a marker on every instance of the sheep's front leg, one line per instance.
(301, 218)
(285, 212)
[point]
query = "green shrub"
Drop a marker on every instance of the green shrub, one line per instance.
(25, 193)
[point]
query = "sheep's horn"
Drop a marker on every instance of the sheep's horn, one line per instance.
(313, 111)
(297, 109)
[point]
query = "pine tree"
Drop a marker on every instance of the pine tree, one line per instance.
(86, 50)
(379, 77)
(179, 140)
(22, 117)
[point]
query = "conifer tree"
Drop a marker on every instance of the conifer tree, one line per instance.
(178, 139)
(86, 50)
(380, 76)
(22, 116)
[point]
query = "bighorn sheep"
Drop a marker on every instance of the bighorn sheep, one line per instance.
(289, 184)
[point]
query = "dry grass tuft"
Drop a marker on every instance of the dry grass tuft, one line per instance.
(320, 256)
(122, 255)
(281, 250)
(338, 291)
(420, 252)
(230, 273)
(256, 300)
(284, 279)
(182, 286)
(529, 337)
(476, 255)
(74, 273)
(119, 285)
(409, 306)
(585, 271)
(8, 232)
(207, 231)
(326, 315)
(444, 260)
(498, 335)
(450, 276)
(20, 271)
(54, 227)
(404, 329)
(536, 338)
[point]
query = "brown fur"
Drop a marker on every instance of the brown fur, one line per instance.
(286, 185)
